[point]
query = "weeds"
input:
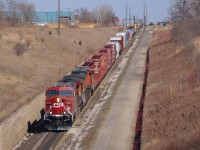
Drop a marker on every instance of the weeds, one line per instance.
(20, 48)
(184, 31)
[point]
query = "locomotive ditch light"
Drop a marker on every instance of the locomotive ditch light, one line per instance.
(50, 112)
(48, 103)
(64, 112)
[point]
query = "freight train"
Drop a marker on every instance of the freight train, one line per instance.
(67, 97)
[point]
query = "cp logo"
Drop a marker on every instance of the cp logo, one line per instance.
(58, 105)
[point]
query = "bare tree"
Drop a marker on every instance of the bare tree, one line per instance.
(1, 6)
(185, 13)
(179, 10)
(12, 9)
(85, 15)
(195, 5)
(27, 10)
(103, 14)
(20, 11)
(2, 10)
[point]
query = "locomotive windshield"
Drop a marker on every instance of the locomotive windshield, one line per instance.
(65, 93)
(51, 93)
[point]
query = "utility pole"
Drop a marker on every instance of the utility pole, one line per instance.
(144, 19)
(129, 15)
(146, 13)
(126, 14)
(68, 16)
(58, 17)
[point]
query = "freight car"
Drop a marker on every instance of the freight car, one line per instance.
(67, 97)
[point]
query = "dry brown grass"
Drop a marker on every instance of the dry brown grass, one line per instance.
(172, 105)
(47, 58)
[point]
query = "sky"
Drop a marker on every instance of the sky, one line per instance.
(157, 9)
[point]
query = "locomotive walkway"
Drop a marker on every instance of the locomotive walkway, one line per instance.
(117, 131)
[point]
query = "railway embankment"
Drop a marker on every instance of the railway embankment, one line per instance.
(171, 108)
(18, 125)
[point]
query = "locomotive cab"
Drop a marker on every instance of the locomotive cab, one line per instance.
(60, 104)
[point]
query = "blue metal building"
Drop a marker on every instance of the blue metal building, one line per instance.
(52, 16)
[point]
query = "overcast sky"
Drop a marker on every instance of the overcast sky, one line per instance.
(157, 9)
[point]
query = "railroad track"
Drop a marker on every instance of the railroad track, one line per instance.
(49, 141)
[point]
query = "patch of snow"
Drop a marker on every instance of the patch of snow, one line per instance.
(21, 142)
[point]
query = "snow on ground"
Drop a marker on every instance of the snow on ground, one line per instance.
(79, 133)
(22, 141)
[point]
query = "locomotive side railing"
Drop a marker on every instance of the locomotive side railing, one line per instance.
(46, 114)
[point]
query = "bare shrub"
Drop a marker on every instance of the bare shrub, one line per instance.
(80, 42)
(186, 30)
(20, 48)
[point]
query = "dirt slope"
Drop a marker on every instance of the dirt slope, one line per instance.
(34, 58)
(172, 106)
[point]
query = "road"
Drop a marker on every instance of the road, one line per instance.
(117, 131)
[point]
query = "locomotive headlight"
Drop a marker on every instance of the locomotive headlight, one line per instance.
(68, 108)
(58, 100)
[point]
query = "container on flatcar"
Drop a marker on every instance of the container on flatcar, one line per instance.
(120, 40)
(132, 32)
(129, 34)
(125, 37)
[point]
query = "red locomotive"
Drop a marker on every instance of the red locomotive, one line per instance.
(66, 98)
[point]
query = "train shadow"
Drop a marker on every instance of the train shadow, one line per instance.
(37, 125)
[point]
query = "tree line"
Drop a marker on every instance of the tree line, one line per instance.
(16, 12)
(102, 15)
(185, 17)
(181, 10)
